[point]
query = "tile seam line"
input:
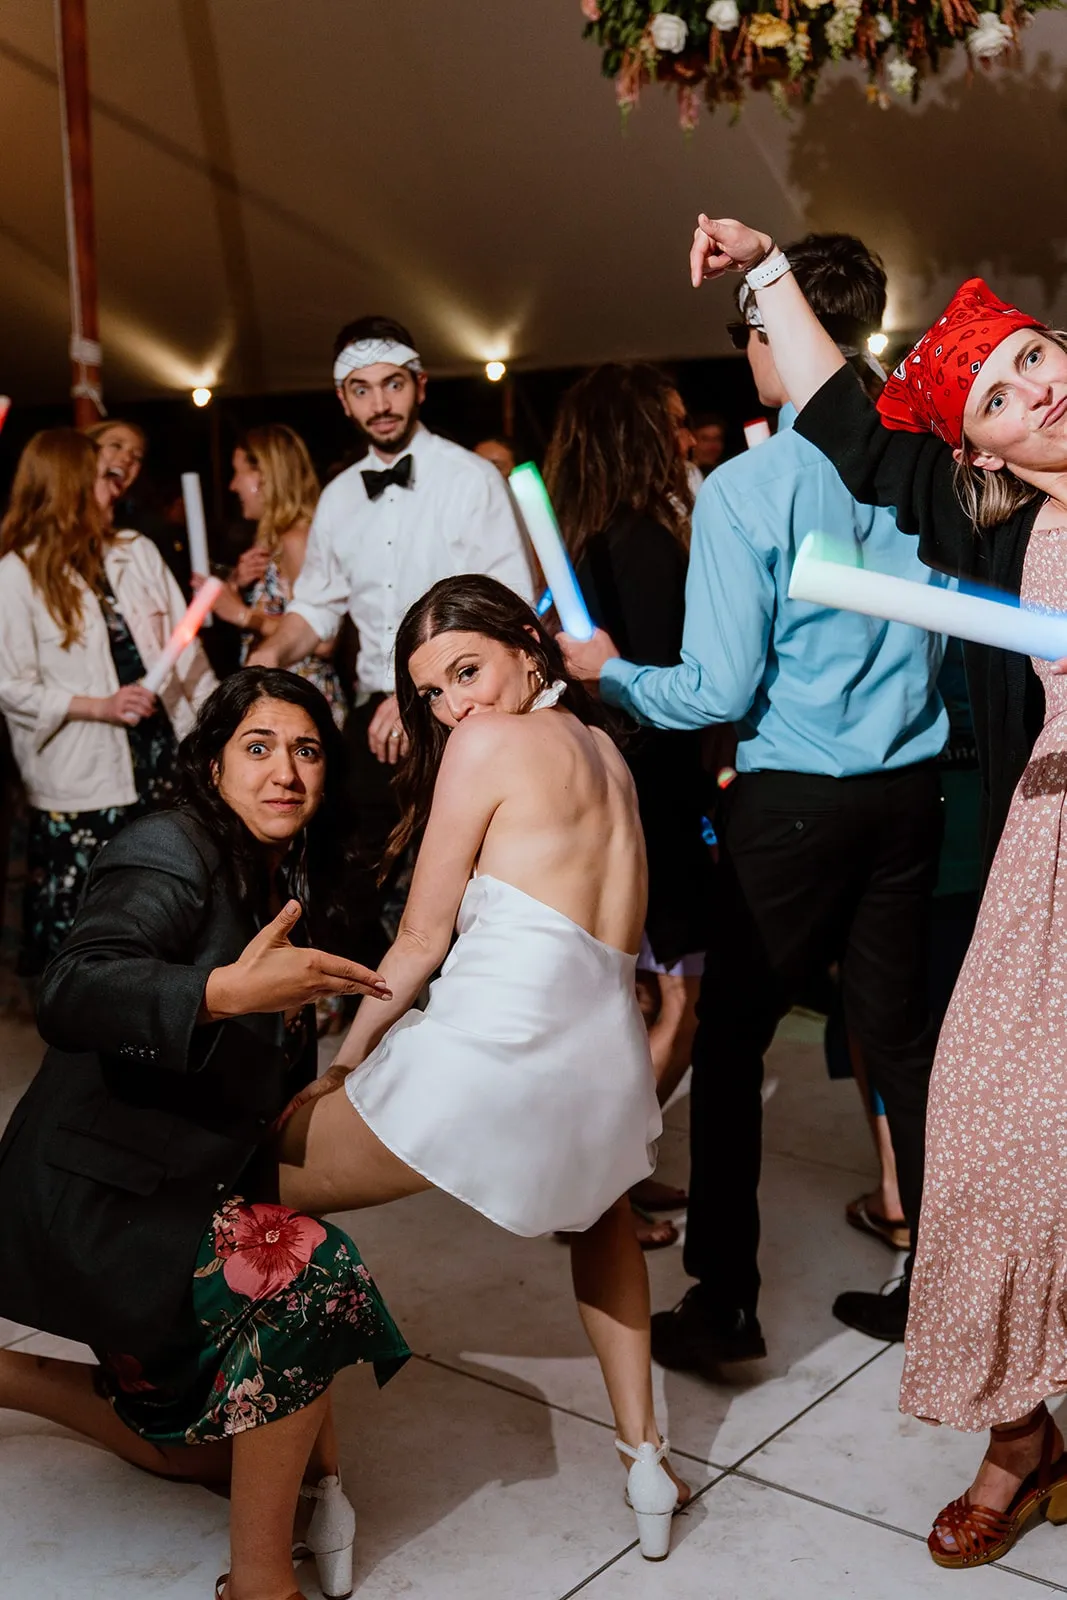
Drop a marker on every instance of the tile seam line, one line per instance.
(874, 1522)
(567, 1411)
(606, 1566)
(687, 1455)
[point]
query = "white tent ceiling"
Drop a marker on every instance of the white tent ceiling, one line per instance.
(267, 169)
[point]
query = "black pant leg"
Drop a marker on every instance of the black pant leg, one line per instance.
(780, 904)
(885, 967)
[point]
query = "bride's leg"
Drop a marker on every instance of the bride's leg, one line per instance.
(611, 1283)
(329, 1160)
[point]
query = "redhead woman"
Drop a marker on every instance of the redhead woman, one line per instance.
(120, 453)
(969, 443)
(139, 1198)
(275, 482)
(83, 613)
(525, 1088)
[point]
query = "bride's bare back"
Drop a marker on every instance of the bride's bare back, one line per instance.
(566, 828)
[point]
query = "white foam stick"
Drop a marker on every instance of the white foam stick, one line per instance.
(531, 495)
(195, 526)
(5, 407)
(183, 635)
(826, 581)
(757, 432)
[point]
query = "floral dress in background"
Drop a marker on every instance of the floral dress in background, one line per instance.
(271, 594)
(62, 845)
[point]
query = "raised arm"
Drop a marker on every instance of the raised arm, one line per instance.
(879, 466)
(467, 792)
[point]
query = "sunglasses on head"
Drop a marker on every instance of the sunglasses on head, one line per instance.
(739, 332)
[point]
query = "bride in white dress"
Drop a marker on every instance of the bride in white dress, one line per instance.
(525, 1088)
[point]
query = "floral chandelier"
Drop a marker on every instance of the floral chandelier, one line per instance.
(718, 52)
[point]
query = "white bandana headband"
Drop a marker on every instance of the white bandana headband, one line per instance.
(371, 353)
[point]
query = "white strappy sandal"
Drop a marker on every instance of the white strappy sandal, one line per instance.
(652, 1495)
(330, 1537)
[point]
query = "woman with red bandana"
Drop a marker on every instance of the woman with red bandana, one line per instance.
(138, 1196)
(969, 443)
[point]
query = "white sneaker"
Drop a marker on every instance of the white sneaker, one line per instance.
(330, 1537)
(652, 1495)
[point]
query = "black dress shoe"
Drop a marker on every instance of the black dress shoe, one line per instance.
(693, 1338)
(879, 1316)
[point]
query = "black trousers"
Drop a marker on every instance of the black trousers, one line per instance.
(812, 870)
(372, 814)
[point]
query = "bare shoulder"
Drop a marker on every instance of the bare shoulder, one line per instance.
(481, 740)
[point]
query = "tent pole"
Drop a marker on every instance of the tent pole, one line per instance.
(72, 59)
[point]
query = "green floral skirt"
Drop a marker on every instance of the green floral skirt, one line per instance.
(281, 1302)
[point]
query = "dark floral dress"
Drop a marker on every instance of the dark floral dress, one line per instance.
(280, 1303)
(62, 845)
(271, 594)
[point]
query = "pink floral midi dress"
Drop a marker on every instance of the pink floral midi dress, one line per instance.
(987, 1334)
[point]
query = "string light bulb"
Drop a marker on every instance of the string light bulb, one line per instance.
(495, 370)
(201, 397)
(877, 343)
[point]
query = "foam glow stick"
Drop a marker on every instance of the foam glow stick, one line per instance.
(195, 526)
(827, 579)
(183, 635)
(757, 432)
(5, 407)
(531, 495)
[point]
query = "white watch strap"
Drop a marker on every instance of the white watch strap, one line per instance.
(776, 266)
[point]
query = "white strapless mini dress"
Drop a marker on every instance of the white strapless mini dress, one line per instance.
(525, 1088)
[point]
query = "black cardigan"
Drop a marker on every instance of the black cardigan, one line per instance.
(632, 575)
(139, 1123)
(914, 473)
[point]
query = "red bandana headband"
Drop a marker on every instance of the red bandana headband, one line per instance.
(928, 391)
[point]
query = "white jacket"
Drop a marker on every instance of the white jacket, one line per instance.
(87, 766)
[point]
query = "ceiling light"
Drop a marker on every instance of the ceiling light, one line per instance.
(495, 370)
(877, 342)
(201, 397)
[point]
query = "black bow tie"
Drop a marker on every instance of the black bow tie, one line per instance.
(401, 473)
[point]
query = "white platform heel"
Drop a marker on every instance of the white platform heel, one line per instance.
(330, 1537)
(652, 1495)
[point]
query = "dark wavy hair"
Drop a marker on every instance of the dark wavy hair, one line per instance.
(313, 868)
(470, 603)
(614, 449)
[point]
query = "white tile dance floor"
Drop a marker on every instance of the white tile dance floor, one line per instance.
(486, 1471)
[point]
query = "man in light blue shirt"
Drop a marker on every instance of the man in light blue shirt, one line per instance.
(830, 833)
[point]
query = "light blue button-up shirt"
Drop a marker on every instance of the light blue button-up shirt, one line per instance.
(811, 689)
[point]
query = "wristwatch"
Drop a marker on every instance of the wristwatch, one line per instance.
(774, 265)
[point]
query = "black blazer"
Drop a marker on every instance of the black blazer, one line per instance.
(632, 575)
(913, 472)
(139, 1123)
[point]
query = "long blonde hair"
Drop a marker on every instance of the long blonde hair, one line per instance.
(991, 498)
(55, 525)
(288, 483)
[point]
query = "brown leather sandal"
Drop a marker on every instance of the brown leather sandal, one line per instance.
(981, 1534)
(220, 1588)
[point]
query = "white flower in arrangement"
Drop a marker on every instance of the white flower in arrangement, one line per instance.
(724, 15)
(990, 38)
(901, 75)
(669, 32)
(884, 26)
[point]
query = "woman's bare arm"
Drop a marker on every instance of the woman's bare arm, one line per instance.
(466, 795)
(804, 352)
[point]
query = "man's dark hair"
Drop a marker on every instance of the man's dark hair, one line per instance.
(372, 328)
(843, 283)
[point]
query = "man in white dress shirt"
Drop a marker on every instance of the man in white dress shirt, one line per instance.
(416, 509)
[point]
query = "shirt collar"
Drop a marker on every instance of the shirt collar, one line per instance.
(787, 417)
(418, 447)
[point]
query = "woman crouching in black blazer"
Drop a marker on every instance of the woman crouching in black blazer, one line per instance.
(135, 1184)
